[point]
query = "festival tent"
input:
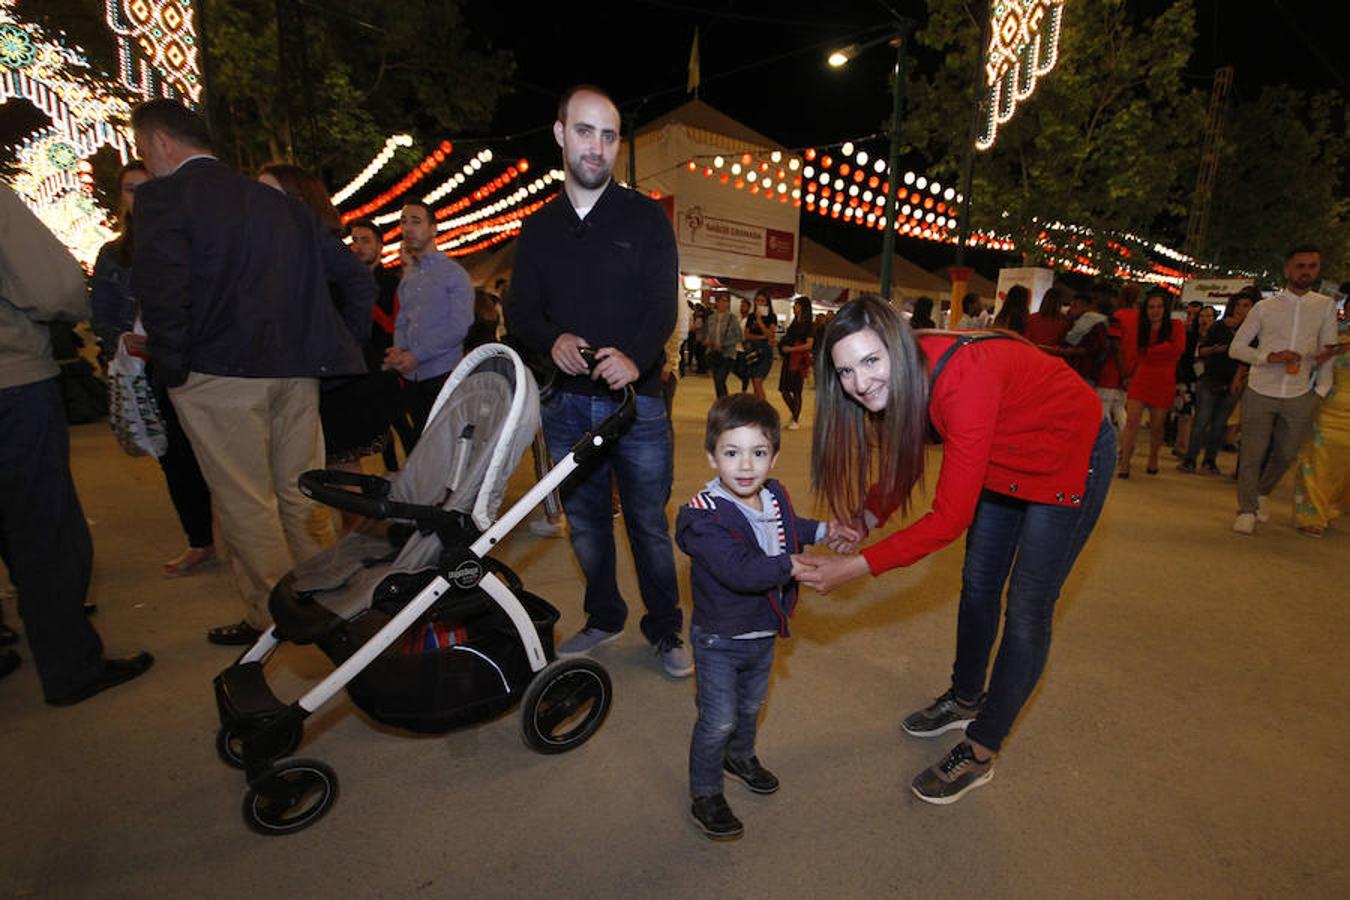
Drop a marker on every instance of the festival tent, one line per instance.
(743, 239)
(828, 278)
(909, 280)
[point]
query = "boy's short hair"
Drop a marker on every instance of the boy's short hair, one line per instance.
(738, 410)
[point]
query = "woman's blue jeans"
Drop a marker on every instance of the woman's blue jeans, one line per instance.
(733, 678)
(1031, 547)
(1211, 421)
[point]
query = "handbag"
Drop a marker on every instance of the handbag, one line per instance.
(746, 360)
(132, 411)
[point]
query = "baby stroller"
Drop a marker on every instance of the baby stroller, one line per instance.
(427, 632)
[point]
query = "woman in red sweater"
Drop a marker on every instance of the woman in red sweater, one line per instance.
(1026, 465)
(1158, 344)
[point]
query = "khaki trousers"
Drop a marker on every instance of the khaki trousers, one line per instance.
(253, 437)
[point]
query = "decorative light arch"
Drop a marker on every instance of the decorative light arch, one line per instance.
(88, 109)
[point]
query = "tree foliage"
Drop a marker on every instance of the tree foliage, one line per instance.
(1282, 182)
(343, 77)
(1110, 139)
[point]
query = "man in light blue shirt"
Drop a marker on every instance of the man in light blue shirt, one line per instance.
(435, 310)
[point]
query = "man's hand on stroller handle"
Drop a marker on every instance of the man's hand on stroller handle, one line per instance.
(614, 367)
(567, 356)
(608, 364)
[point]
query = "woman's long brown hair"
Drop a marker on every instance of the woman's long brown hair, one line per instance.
(126, 242)
(309, 190)
(848, 442)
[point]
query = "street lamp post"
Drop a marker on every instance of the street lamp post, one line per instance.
(840, 58)
(892, 168)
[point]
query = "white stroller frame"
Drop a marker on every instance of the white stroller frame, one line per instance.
(467, 573)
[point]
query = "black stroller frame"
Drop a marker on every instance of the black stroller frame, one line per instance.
(563, 701)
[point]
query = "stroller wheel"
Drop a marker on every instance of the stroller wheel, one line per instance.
(230, 743)
(290, 796)
(565, 704)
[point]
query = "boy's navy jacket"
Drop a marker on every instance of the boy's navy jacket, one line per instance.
(737, 588)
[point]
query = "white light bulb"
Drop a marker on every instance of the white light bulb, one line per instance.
(775, 156)
(909, 178)
(853, 190)
(808, 172)
(862, 158)
(794, 164)
(847, 149)
(839, 184)
(879, 166)
(948, 194)
(935, 188)
(475, 164)
(867, 196)
(751, 176)
(921, 182)
(735, 168)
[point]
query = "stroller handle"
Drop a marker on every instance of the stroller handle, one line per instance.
(327, 486)
(615, 424)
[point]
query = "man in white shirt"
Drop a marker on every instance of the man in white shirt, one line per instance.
(1281, 399)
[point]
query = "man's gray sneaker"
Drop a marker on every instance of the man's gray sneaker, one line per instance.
(959, 771)
(586, 640)
(675, 657)
(944, 714)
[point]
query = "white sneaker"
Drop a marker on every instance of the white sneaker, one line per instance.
(544, 528)
(1262, 513)
(793, 426)
(1245, 524)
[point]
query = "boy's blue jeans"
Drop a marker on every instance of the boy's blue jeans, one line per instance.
(733, 677)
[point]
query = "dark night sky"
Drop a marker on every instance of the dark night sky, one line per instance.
(763, 64)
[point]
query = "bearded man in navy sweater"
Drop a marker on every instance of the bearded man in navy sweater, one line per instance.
(597, 267)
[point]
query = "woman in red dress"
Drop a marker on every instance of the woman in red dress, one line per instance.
(1160, 343)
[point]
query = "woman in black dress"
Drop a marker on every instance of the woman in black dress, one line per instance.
(796, 349)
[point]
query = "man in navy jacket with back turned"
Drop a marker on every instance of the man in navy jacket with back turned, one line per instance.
(234, 279)
(597, 267)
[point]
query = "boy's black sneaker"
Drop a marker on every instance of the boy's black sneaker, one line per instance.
(944, 714)
(1186, 466)
(751, 773)
(716, 818)
(1211, 469)
(957, 772)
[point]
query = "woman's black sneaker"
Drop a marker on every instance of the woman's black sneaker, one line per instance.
(944, 714)
(716, 818)
(751, 773)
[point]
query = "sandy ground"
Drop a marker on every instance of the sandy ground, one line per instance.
(1182, 744)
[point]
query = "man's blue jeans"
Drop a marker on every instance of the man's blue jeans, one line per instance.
(1211, 421)
(1037, 543)
(733, 677)
(640, 462)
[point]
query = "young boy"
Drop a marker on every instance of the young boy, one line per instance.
(740, 532)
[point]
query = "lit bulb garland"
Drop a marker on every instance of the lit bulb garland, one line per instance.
(373, 168)
(423, 169)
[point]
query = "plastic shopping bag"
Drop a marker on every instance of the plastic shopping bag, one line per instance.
(133, 412)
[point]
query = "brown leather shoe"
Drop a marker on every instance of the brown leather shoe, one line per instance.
(236, 635)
